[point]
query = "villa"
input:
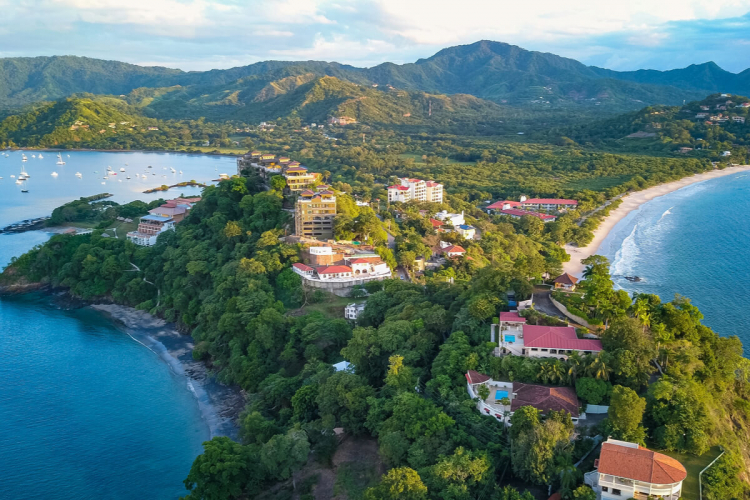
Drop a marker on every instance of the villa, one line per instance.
(505, 398)
(453, 219)
(627, 470)
(453, 251)
(514, 336)
(415, 190)
(566, 282)
(149, 229)
(467, 232)
(352, 311)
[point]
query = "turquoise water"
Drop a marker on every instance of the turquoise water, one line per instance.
(695, 242)
(86, 411)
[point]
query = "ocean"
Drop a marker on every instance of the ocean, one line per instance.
(694, 242)
(89, 410)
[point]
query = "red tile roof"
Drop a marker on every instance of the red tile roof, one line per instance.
(640, 464)
(432, 183)
(302, 267)
(566, 279)
(551, 201)
(366, 260)
(334, 269)
(435, 223)
(400, 188)
(544, 398)
(296, 169)
(454, 249)
(475, 377)
(557, 337)
(500, 204)
(512, 316)
(521, 213)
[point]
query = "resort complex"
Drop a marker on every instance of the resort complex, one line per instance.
(160, 219)
(267, 165)
(541, 208)
(415, 190)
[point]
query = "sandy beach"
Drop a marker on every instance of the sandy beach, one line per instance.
(629, 203)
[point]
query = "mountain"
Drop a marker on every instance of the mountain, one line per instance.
(495, 71)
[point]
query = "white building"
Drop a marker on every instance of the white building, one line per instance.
(415, 189)
(513, 336)
(455, 219)
(353, 310)
(726, 153)
(627, 470)
(149, 229)
(468, 232)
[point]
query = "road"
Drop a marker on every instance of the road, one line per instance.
(543, 304)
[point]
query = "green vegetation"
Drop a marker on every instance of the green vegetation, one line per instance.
(91, 212)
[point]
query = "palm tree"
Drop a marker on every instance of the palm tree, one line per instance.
(575, 363)
(599, 368)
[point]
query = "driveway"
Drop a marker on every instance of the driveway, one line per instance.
(542, 303)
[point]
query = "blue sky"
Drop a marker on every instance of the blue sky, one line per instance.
(205, 34)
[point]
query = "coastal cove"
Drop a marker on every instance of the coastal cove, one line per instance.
(691, 241)
(95, 397)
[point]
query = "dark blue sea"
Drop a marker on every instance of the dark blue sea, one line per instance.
(87, 411)
(694, 242)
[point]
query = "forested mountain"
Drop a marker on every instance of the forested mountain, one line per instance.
(490, 70)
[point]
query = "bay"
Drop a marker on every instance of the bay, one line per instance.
(89, 412)
(694, 242)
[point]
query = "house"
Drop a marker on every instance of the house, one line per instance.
(705, 108)
(503, 205)
(342, 366)
(436, 224)
(548, 204)
(684, 149)
(627, 470)
(177, 208)
(302, 269)
(745, 105)
(454, 251)
(298, 178)
(738, 119)
(341, 120)
(537, 341)
(701, 115)
(453, 219)
(505, 398)
(726, 153)
(467, 232)
(353, 310)
(334, 272)
(149, 228)
(565, 282)
(517, 214)
(153, 128)
(415, 190)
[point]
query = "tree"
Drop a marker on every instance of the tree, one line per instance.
(221, 472)
(399, 376)
(278, 182)
(626, 413)
(533, 451)
(631, 351)
(401, 483)
(483, 392)
(283, 454)
(722, 480)
(584, 492)
(457, 477)
(592, 391)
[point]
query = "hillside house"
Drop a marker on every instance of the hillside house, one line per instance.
(149, 229)
(467, 232)
(565, 282)
(537, 341)
(353, 310)
(628, 470)
(454, 251)
(738, 119)
(517, 214)
(454, 219)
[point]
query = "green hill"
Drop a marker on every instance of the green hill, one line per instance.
(705, 128)
(496, 71)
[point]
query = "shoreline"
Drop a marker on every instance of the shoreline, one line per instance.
(220, 405)
(633, 201)
(158, 151)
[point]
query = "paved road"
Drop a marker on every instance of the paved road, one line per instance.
(543, 304)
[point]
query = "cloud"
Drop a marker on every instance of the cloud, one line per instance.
(203, 34)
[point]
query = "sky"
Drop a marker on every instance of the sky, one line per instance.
(207, 34)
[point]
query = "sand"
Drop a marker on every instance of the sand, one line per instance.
(631, 202)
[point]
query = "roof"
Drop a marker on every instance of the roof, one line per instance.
(400, 188)
(512, 317)
(366, 260)
(433, 183)
(639, 464)
(156, 218)
(454, 249)
(302, 267)
(435, 223)
(296, 169)
(334, 269)
(167, 210)
(557, 337)
(544, 398)
(500, 204)
(475, 377)
(521, 213)
(566, 279)
(465, 227)
(551, 201)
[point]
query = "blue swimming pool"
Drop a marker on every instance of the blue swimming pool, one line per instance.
(510, 338)
(501, 394)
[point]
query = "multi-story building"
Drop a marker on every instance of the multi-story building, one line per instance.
(548, 204)
(149, 228)
(299, 178)
(415, 190)
(627, 470)
(177, 208)
(453, 219)
(314, 214)
(537, 341)
(353, 310)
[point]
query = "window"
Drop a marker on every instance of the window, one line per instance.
(553, 351)
(544, 350)
(615, 491)
(605, 489)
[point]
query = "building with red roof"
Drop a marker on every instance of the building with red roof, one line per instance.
(627, 470)
(454, 251)
(548, 204)
(302, 269)
(516, 213)
(565, 282)
(503, 205)
(415, 190)
(556, 341)
(334, 272)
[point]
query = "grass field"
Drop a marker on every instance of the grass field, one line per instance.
(694, 465)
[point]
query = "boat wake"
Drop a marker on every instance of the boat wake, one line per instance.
(665, 214)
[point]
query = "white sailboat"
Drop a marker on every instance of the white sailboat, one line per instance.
(54, 174)
(122, 169)
(23, 157)
(40, 156)
(79, 174)
(60, 160)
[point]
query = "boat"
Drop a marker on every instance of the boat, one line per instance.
(12, 176)
(68, 156)
(19, 181)
(23, 158)
(24, 190)
(78, 174)
(172, 169)
(180, 172)
(40, 156)
(109, 169)
(103, 183)
(122, 169)
(33, 156)
(128, 177)
(149, 166)
(59, 160)
(54, 174)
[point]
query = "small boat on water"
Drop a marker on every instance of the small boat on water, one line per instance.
(128, 177)
(24, 190)
(12, 176)
(60, 160)
(103, 183)
(109, 169)
(180, 172)
(23, 158)
(33, 156)
(78, 174)
(40, 156)
(54, 174)
(149, 166)
(122, 169)
(19, 181)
